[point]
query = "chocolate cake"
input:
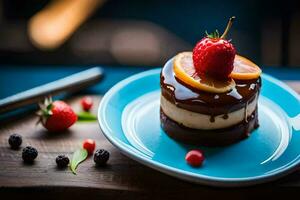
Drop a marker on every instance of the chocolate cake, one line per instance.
(212, 119)
(209, 96)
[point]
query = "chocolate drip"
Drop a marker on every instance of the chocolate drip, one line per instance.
(225, 116)
(246, 113)
(212, 118)
(246, 123)
(256, 125)
(189, 98)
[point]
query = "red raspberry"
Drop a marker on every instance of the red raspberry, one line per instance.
(214, 56)
(89, 145)
(195, 158)
(86, 103)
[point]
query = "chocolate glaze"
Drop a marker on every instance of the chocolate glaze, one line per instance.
(225, 116)
(217, 137)
(212, 118)
(189, 98)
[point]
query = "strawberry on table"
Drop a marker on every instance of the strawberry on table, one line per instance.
(56, 116)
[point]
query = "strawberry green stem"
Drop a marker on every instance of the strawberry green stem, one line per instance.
(230, 22)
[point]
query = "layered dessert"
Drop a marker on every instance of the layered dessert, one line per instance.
(209, 96)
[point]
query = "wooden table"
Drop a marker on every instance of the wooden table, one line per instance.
(122, 178)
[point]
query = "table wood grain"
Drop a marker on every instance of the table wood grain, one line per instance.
(122, 178)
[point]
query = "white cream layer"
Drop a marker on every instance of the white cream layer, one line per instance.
(202, 121)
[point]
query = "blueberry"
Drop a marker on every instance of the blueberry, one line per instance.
(29, 154)
(101, 156)
(62, 161)
(15, 141)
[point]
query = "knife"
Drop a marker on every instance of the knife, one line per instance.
(70, 83)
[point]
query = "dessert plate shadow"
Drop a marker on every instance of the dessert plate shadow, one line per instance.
(129, 118)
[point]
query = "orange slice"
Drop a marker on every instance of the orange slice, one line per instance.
(184, 70)
(244, 69)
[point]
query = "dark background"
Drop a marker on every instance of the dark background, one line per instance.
(147, 33)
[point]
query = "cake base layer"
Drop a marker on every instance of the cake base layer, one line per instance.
(213, 138)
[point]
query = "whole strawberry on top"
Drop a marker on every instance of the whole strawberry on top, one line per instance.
(56, 116)
(214, 55)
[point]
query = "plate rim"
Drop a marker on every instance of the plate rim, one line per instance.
(134, 154)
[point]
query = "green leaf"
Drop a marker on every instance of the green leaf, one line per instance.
(213, 35)
(78, 156)
(86, 117)
(50, 106)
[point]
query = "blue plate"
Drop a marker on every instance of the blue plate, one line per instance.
(129, 118)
